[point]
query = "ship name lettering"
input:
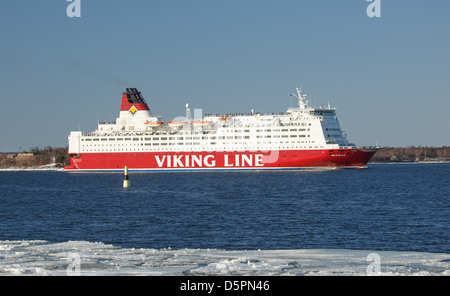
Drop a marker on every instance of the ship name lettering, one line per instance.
(187, 161)
(176, 161)
(243, 160)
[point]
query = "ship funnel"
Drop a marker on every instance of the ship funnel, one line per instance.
(133, 98)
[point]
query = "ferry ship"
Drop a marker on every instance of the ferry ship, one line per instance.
(304, 137)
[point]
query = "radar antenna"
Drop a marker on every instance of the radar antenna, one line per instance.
(302, 101)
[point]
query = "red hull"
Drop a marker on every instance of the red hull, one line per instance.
(222, 160)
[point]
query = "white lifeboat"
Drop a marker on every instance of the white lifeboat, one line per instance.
(201, 123)
(153, 123)
(177, 123)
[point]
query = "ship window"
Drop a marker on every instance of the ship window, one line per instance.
(103, 139)
(95, 139)
(127, 139)
(88, 139)
(119, 139)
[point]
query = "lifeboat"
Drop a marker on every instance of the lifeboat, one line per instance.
(153, 123)
(201, 123)
(177, 123)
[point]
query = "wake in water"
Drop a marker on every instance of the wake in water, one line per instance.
(93, 258)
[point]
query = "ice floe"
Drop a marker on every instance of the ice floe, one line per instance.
(39, 257)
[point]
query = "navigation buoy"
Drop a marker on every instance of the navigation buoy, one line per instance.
(126, 182)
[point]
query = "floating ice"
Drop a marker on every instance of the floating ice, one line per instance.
(96, 258)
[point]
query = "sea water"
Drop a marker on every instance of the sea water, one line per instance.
(392, 208)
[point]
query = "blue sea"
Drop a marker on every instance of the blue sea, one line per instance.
(387, 207)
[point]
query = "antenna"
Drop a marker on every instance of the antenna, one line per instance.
(188, 112)
(302, 102)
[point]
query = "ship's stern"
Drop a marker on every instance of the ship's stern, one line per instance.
(74, 149)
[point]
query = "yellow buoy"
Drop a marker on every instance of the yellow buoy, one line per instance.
(126, 182)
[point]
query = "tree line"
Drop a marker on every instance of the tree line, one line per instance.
(36, 156)
(412, 154)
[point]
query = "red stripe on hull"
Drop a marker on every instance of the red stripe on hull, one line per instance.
(236, 160)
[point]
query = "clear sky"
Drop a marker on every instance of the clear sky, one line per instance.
(389, 77)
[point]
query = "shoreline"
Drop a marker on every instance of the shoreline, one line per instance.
(48, 167)
(411, 162)
(61, 169)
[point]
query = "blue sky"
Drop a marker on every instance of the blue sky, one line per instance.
(389, 77)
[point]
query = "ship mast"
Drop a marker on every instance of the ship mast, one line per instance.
(303, 103)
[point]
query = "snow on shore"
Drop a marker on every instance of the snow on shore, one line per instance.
(94, 258)
(47, 167)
